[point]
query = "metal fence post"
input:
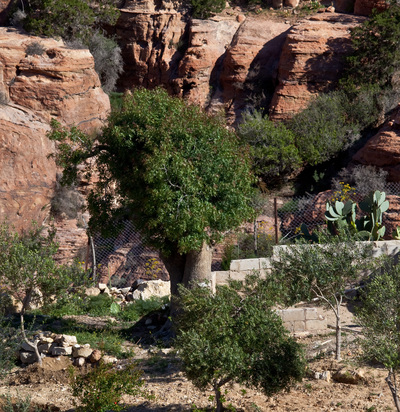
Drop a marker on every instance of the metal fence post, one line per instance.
(276, 220)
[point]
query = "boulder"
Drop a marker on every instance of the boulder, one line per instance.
(312, 59)
(81, 352)
(349, 376)
(27, 358)
(95, 356)
(383, 149)
(152, 288)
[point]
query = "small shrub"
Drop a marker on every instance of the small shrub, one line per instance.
(363, 179)
(34, 49)
(234, 336)
(322, 130)
(108, 60)
(202, 9)
(9, 340)
(101, 389)
(18, 17)
(375, 58)
(66, 201)
(273, 152)
(19, 404)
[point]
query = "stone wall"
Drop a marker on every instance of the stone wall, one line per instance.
(295, 319)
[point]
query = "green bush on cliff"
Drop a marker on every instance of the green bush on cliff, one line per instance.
(376, 55)
(203, 9)
(79, 23)
(272, 149)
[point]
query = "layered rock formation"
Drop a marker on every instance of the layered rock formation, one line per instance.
(60, 83)
(229, 62)
(150, 39)
(311, 61)
(249, 69)
(383, 149)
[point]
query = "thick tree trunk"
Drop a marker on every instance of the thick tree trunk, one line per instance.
(190, 268)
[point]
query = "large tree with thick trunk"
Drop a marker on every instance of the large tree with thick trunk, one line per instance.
(177, 173)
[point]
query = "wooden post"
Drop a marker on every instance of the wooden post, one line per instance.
(276, 221)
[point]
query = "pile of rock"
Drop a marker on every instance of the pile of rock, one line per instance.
(140, 290)
(52, 344)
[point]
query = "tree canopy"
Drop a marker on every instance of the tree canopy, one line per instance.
(177, 173)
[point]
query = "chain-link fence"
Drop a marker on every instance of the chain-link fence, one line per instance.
(123, 259)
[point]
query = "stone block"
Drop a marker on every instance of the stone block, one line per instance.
(291, 315)
(61, 351)
(299, 326)
(310, 313)
(237, 276)
(317, 324)
(79, 362)
(68, 340)
(44, 348)
(81, 352)
(27, 358)
(26, 347)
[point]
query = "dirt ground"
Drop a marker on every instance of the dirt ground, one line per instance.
(49, 385)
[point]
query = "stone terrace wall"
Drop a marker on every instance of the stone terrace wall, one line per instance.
(295, 319)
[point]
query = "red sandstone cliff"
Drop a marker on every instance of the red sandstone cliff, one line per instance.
(59, 83)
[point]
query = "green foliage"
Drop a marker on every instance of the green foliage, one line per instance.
(323, 129)
(9, 340)
(328, 268)
(202, 9)
(376, 53)
(239, 339)
(70, 19)
(101, 389)
(28, 269)
(324, 270)
(379, 316)
(274, 154)
(19, 404)
(174, 169)
(342, 216)
(101, 305)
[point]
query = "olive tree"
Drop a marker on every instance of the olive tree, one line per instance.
(379, 316)
(322, 271)
(29, 273)
(239, 339)
(177, 173)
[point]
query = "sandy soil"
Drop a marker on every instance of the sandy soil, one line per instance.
(173, 392)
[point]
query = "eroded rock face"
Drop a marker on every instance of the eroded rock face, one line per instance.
(200, 68)
(365, 7)
(251, 64)
(311, 61)
(59, 83)
(150, 39)
(383, 149)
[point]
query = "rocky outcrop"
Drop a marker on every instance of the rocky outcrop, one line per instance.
(311, 61)
(250, 66)
(365, 7)
(58, 82)
(5, 6)
(200, 68)
(150, 38)
(383, 149)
